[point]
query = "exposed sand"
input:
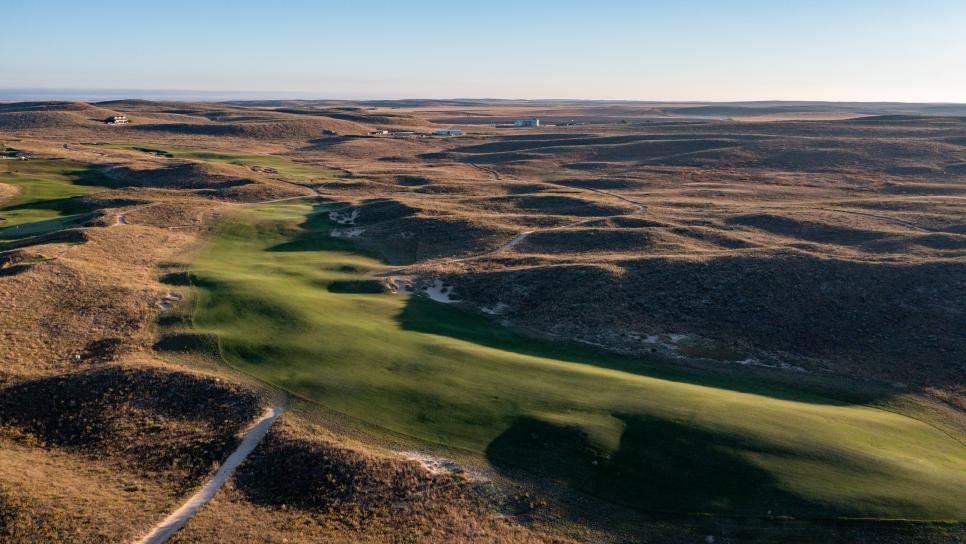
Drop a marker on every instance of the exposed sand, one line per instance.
(167, 302)
(173, 523)
(344, 218)
(440, 292)
(353, 232)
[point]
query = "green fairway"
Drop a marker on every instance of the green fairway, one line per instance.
(292, 171)
(614, 427)
(48, 199)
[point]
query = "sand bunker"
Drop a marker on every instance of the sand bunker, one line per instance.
(345, 218)
(440, 292)
(167, 302)
(353, 232)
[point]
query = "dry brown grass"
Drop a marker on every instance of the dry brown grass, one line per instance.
(8, 192)
(838, 245)
(300, 489)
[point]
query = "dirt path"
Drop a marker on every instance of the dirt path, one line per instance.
(173, 523)
(287, 198)
(494, 173)
(641, 209)
(121, 218)
(885, 218)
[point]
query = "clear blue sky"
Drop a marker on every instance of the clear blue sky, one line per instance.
(607, 49)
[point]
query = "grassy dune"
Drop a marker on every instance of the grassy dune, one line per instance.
(291, 170)
(48, 197)
(625, 430)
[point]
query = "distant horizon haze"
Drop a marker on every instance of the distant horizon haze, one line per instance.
(187, 95)
(650, 50)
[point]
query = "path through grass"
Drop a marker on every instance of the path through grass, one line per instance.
(613, 427)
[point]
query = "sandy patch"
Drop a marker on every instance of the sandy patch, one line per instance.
(8, 192)
(167, 302)
(439, 466)
(440, 292)
(400, 285)
(353, 232)
(173, 523)
(496, 309)
(752, 361)
(344, 218)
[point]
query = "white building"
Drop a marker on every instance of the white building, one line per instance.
(448, 132)
(117, 120)
(527, 122)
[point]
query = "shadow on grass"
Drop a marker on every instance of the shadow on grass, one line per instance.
(313, 234)
(659, 466)
(90, 176)
(42, 227)
(73, 210)
(357, 287)
(423, 315)
(69, 236)
(69, 205)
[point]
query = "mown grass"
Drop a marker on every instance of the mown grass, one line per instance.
(621, 429)
(49, 198)
(291, 170)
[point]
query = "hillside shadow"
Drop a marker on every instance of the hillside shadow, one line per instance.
(659, 466)
(90, 176)
(150, 419)
(423, 315)
(313, 234)
(68, 205)
(35, 228)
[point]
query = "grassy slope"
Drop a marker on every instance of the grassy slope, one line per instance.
(48, 197)
(609, 426)
(293, 171)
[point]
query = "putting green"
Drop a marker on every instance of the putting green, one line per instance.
(48, 198)
(622, 429)
(291, 170)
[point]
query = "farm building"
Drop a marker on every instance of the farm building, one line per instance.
(116, 120)
(527, 122)
(448, 132)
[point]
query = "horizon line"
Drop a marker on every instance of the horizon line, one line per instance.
(113, 94)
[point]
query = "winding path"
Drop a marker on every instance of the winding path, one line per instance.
(173, 523)
(885, 218)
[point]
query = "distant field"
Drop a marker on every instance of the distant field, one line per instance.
(48, 197)
(293, 171)
(296, 308)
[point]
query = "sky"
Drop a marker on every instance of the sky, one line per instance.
(668, 50)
